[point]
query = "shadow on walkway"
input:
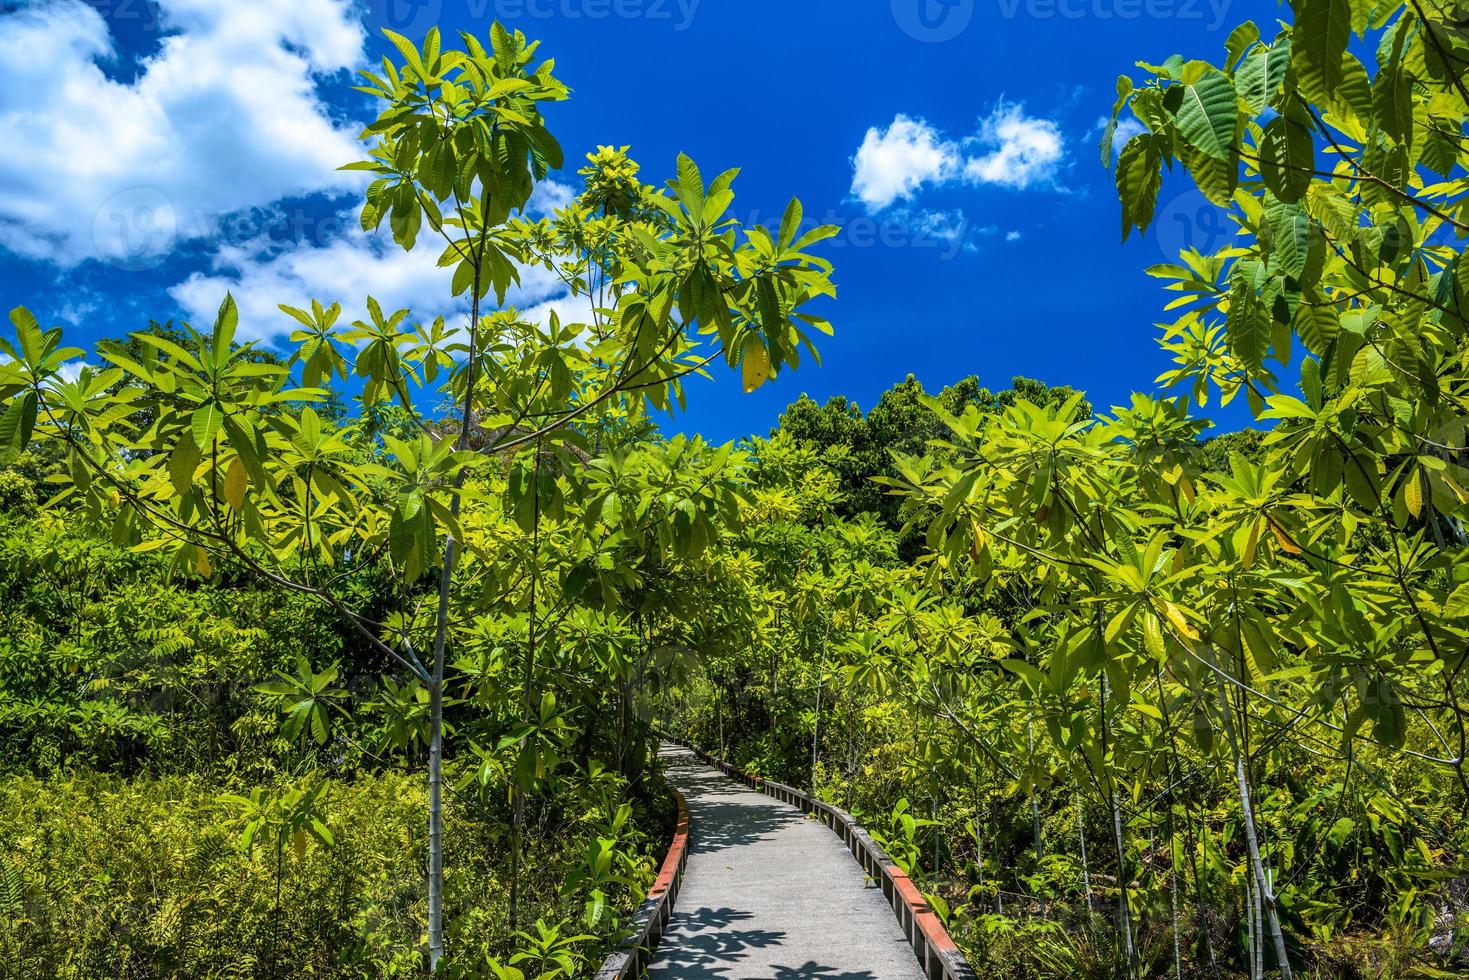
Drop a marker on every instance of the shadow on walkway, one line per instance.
(770, 894)
(815, 971)
(708, 941)
(725, 819)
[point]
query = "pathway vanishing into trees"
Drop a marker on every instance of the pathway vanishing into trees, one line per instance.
(770, 894)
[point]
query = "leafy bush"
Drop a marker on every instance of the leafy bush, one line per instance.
(120, 878)
(107, 662)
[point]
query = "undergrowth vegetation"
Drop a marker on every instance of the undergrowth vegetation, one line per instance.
(351, 660)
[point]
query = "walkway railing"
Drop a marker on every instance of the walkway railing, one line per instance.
(939, 957)
(631, 958)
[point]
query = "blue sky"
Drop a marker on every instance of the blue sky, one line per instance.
(159, 153)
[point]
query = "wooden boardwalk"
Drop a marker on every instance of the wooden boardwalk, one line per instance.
(770, 894)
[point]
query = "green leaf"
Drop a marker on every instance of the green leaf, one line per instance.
(1287, 158)
(1333, 209)
(1139, 175)
(1392, 103)
(503, 43)
(1260, 75)
(1239, 40)
(235, 483)
(1109, 131)
(248, 447)
(1352, 96)
(205, 424)
(1457, 605)
(1316, 324)
(1311, 383)
(690, 186)
(1318, 42)
(16, 425)
(407, 49)
(1208, 118)
(1341, 830)
(32, 341)
(1248, 325)
(224, 327)
(1217, 179)
(1290, 236)
(790, 224)
(182, 464)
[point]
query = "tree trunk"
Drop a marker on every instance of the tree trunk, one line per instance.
(1262, 882)
(1086, 878)
(441, 637)
(1035, 810)
(435, 772)
(527, 681)
(1252, 916)
(1173, 897)
(1124, 910)
(816, 722)
(719, 716)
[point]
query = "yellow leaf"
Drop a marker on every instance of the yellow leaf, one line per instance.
(755, 365)
(978, 540)
(1283, 539)
(1413, 494)
(1144, 708)
(234, 483)
(1453, 485)
(1176, 617)
(1251, 542)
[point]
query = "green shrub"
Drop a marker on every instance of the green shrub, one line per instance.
(17, 496)
(105, 877)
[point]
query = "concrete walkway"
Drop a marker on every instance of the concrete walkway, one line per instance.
(771, 895)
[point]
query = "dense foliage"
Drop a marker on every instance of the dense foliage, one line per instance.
(468, 572)
(1125, 699)
(1144, 706)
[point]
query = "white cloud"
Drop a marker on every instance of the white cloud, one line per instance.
(347, 270)
(223, 117)
(568, 309)
(895, 163)
(947, 226)
(1013, 150)
(1024, 150)
(549, 195)
(1012, 236)
(72, 370)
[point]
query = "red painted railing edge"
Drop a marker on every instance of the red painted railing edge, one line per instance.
(629, 960)
(940, 958)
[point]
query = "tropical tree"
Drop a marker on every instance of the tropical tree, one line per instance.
(239, 465)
